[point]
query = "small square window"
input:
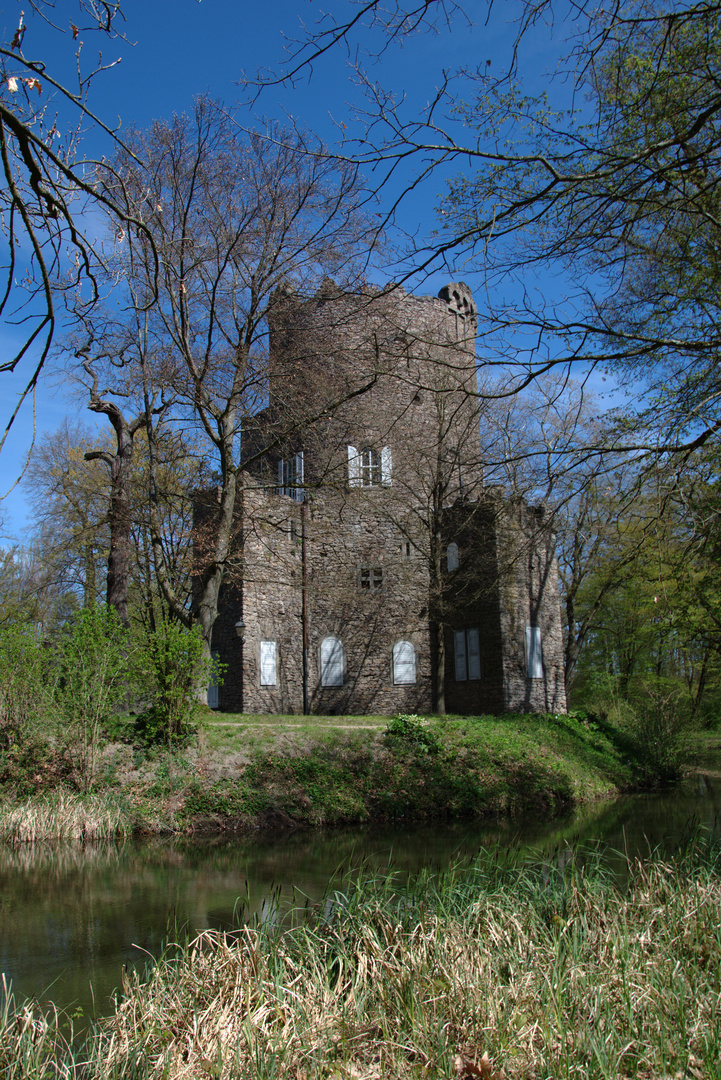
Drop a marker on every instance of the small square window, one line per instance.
(371, 577)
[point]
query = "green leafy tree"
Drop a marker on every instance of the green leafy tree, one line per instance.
(92, 667)
(25, 696)
(175, 670)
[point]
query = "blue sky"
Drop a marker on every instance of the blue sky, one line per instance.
(178, 49)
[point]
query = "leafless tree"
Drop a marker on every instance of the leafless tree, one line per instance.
(590, 213)
(234, 216)
(47, 183)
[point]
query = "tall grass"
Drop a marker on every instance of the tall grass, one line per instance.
(31, 1045)
(62, 816)
(550, 972)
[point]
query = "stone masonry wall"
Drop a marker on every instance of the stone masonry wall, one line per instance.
(396, 373)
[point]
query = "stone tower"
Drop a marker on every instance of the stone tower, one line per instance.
(379, 574)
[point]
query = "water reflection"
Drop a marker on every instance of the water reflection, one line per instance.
(70, 918)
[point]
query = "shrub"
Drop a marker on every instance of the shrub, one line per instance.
(175, 668)
(407, 732)
(91, 664)
(27, 759)
(659, 725)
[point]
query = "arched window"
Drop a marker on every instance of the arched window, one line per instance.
(332, 662)
(404, 663)
(452, 557)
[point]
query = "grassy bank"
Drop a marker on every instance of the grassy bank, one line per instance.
(550, 970)
(332, 771)
(244, 772)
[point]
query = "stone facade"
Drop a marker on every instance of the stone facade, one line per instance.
(379, 575)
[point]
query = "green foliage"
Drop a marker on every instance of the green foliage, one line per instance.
(408, 732)
(175, 668)
(23, 684)
(91, 673)
(660, 725)
(26, 756)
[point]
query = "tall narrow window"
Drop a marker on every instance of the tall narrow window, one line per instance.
(268, 664)
(331, 662)
(370, 467)
(404, 663)
(213, 688)
(290, 477)
(452, 557)
(534, 653)
(467, 654)
(354, 476)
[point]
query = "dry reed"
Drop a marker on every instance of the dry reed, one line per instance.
(553, 975)
(63, 816)
(550, 970)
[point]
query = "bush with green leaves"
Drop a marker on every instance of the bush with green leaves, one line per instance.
(25, 692)
(175, 669)
(92, 663)
(408, 732)
(659, 725)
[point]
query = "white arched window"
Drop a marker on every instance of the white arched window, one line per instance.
(404, 663)
(332, 662)
(452, 557)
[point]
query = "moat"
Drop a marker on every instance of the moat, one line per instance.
(72, 917)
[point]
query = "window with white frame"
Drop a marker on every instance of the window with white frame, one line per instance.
(452, 557)
(404, 663)
(268, 663)
(467, 654)
(290, 477)
(534, 653)
(369, 467)
(332, 662)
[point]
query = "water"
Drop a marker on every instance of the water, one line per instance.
(71, 918)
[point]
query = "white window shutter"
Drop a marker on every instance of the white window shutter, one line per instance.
(459, 651)
(281, 477)
(474, 653)
(268, 665)
(404, 663)
(452, 557)
(534, 653)
(386, 466)
(331, 662)
(354, 473)
(298, 493)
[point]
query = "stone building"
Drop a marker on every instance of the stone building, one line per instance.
(377, 573)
